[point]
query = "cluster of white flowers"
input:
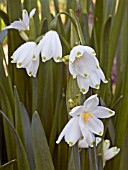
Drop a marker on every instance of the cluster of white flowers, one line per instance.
(85, 124)
(84, 66)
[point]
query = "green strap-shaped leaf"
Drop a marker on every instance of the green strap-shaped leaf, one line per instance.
(115, 30)
(28, 137)
(18, 116)
(23, 161)
(4, 16)
(8, 166)
(42, 154)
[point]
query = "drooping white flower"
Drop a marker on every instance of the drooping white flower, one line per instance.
(23, 23)
(50, 46)
(89, 141)
(109, 153)
(84, 66)
(24, 57)
(85, 122)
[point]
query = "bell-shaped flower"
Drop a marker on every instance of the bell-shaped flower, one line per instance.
(24, 57)
(51, 47)
(22, 24)
(84, 66)
(85, 122)
(108, 153)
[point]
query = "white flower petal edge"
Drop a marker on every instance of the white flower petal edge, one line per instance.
(103, 112)
(71, 132)
(23, 23)
(51, 47)
(91, 103)
(109, 153)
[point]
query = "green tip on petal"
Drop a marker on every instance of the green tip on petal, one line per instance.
(12, 61)
(85, 75)
(78, 53)
(105, 80)
(93, 52)
(97, 67)
(110, 112)
(100, 133)
(34, 57)
(83, 90)
(58, 58)
(70, 143)
(97, 86)
(92, 143)
(30, 73)
(19, 64)
(43, 58)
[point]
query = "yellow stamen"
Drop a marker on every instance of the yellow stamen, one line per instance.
(86, 115)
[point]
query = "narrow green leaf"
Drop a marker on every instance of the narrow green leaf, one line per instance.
(115, 30)
(124, 155)
(76, 156)
(8, 166)
(21, 151)
(28, 137)
(18, 117)
(4, 16)
(80, 33)
(41, 150)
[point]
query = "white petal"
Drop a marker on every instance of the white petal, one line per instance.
(72, 69)
(98, 140)
(101, 75)
(32, 12)
(46, 52)
(83, 84)
(83, 143)
(83, 127)
(95, 125)
(106, 145)
(76, 111)
(32, 68)
(85, 64)
(26, 54)
(110, 153)
(103, 112)
(94, 80)
(90, 139)
(77, 51)
(71, 132)
(89, 50)
(56, 47)
(25, 18)
(18, 25)
(91, 103)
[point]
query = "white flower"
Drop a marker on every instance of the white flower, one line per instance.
(23, 24)
(84, 66)
(86, 143)
(108, 153)
(50, 47)
(85, 122)
(24, 57)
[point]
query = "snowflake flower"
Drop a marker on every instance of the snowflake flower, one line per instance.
(50, 46)
(84, 66)
(109, 153)
(85, 122)
(24, 57)
(23, 24)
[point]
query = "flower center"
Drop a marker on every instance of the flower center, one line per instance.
(86, 116)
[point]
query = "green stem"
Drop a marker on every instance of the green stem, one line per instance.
(34, 94)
